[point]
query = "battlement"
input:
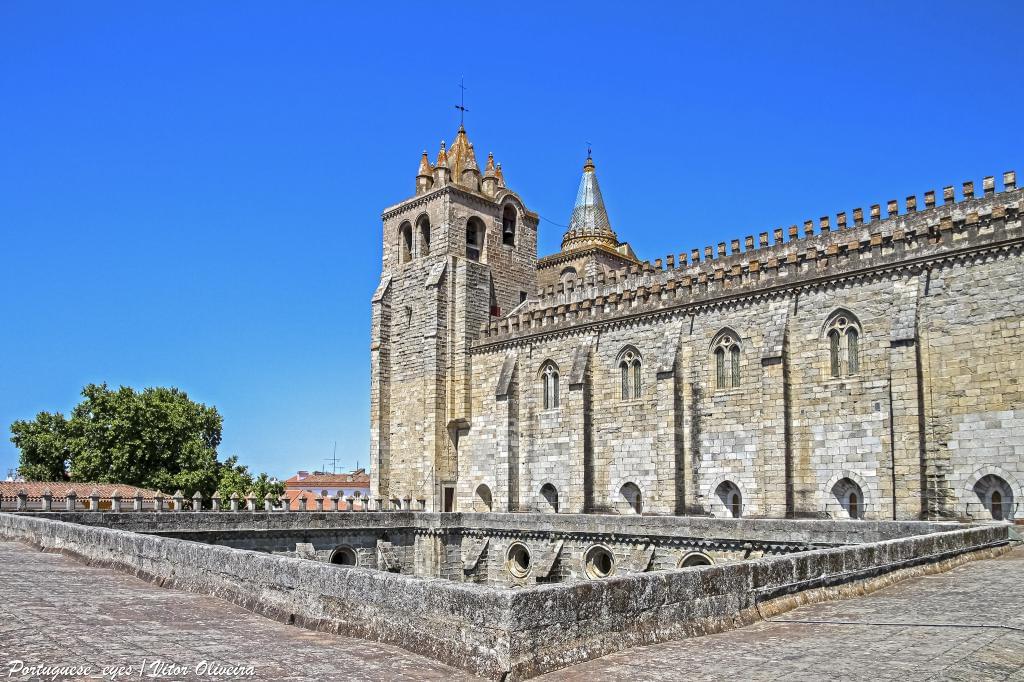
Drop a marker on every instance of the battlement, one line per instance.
(848, 245)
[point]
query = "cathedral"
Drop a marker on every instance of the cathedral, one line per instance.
(855, 367)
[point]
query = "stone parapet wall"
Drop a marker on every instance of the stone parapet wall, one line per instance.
(501, 634)
(645, 289)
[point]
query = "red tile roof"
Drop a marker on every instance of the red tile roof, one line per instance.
(357, 478)
(10, 489)
(294, 495)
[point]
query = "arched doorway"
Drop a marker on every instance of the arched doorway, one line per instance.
(995, 496)
(850, 499)
(728, 494)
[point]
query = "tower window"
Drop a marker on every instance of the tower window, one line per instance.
(423, 227)
(474, 239)
(508, 226)
(404, 243)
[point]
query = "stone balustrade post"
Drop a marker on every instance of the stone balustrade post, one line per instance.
(47, 500)
(234, 502)
(348, 503)
(407, 503)
(179, 500)
(115, 500)
(22, 501)
(158, 502)
(334, 501)
(268, 502)
(378, 504)
(70, 498)
(250, 501)
(197, 501)
(138, 501)
(302, 502)
(422, 504)
(94, 500)
(319, 502)
(215, 501)
(285, 506)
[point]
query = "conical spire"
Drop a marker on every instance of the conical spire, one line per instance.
(425, 167)
(461, 155)
(442, 157)
(589, 225)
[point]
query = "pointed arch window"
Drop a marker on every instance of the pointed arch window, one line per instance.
(727, 359)
(843, 333)
(631, 374)
(549, 383)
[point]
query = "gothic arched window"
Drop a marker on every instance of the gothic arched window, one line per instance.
(404, 243)
(474, 238)
(843, 333)
(727, 359)
(508, 225)
(631, 373)
(549, 381)
(423, 227)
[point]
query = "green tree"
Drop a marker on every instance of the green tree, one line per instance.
(236, 478)
(45, 451)
(156, 438)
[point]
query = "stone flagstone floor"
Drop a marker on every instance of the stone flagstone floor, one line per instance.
(59, 612)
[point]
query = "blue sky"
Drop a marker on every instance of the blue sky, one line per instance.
(190, 193)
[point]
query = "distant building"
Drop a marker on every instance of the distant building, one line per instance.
(355, 484)
(59, 491)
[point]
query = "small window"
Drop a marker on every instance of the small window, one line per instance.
(549, 380)
(522, 297)
(843, 333)
(598, 562)
(727, 359)
(517, 560)
(631, 374)
(549, 495)
(508, 226)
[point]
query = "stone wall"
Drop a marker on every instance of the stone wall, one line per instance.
(928, 423)
(509, 634)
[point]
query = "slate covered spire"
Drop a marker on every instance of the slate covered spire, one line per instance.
(589, 224)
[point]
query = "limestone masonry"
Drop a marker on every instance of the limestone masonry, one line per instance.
(857, 367)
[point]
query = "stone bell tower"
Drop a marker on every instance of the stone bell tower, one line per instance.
(459, 252)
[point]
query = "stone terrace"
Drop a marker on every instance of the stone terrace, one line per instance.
(107, 618)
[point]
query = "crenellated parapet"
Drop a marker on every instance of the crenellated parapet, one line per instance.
(822, 250)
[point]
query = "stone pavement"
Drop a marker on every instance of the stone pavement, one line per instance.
(930, 642)
(59, 612)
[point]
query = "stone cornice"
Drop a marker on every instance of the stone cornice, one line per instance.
(422, 199)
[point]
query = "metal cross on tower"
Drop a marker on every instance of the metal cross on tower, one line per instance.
(461, 106)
